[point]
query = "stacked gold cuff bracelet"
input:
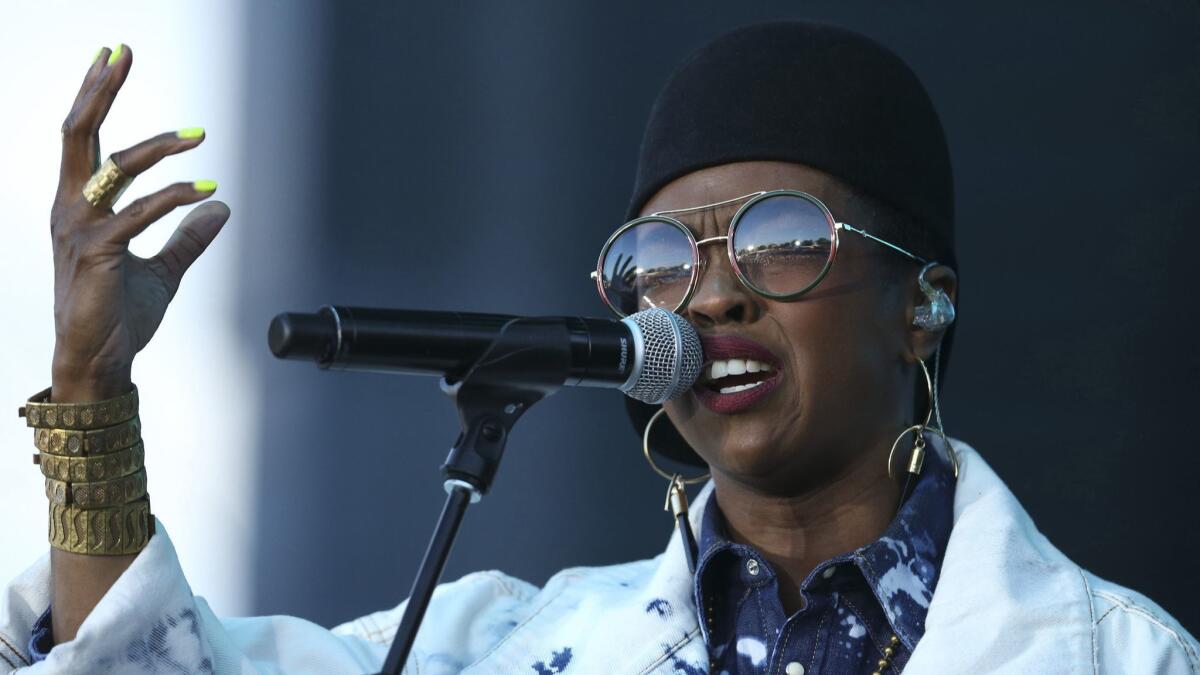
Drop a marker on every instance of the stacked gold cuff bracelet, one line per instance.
(40, 413)
(88, 469)
(97, 495)
(73, 443)
(93, 460)
(119, 530)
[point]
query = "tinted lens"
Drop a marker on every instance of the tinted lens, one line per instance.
(647, 265)
(782, 244)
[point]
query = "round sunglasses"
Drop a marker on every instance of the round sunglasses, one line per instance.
(781, 244)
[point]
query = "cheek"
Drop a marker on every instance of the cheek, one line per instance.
(836, 354)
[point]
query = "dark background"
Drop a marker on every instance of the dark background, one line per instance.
(475, 156)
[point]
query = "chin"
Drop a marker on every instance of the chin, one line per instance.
(747, 459)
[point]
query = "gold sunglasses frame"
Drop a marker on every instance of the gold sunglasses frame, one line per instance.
(698, 262)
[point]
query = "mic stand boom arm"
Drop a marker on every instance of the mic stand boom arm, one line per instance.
(529, 360)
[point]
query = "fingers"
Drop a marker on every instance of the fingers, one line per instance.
(93, 72)
(189, 240)
(135, 160)
(80, 130)
(141, 213)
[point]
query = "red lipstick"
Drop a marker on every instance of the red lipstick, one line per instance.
(724, 347)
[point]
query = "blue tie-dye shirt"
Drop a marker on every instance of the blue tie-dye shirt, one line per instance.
(854, 603)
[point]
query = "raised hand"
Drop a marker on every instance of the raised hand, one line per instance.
(108, 302)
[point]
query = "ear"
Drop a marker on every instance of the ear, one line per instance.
(921, 342)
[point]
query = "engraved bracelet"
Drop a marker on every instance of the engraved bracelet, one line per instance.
(89, 469)
(39, 413)
(120, 530)
(98, 495)
(71, 443)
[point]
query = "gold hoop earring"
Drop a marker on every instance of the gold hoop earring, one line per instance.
(677, 501)
(916, 459)
(654, 465)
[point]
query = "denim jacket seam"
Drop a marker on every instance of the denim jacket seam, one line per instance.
(787, 635)
(500, 580)
(671, 650)
(812, 661)
(1128, 605)
(757, 592)
(1087, 588)
(415, 659)
(372, 631)
(1096, 622)
(10, 663)
(518, 627)
(5, 640)
(379, 633)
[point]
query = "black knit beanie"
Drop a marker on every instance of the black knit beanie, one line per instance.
(809, 93)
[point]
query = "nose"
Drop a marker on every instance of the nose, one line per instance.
(720, 297)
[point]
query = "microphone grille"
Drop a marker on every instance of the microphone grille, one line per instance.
(671, 356)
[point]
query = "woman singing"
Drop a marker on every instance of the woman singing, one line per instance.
(794, 203)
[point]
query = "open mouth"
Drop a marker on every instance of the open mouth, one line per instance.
(739, 373)
(729, 376)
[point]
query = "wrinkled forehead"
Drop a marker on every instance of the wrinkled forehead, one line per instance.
(715, 193)
(716, 213)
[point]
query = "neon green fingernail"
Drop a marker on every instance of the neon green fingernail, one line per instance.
(112, 58)
(98, 53)
(205, 185)
(190, 133)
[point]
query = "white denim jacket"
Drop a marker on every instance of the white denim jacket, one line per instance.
(1007, 601)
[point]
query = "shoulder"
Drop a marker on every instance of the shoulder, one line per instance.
(476, 605)
(469, 617)
(1133, 633)
(1000, 571)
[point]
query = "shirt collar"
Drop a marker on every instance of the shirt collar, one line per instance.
(901, 567)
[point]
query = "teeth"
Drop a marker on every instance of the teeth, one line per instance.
(719, 369)
(740, 387)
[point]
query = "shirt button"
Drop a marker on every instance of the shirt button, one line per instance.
(794, 668)
(829, 571)
(752, 568)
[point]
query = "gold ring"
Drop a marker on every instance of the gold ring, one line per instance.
(105, 186)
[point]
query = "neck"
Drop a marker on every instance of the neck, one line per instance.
(798, 532)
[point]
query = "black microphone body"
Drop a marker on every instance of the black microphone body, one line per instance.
(440, 343)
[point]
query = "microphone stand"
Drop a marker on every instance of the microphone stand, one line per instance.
(528, 361)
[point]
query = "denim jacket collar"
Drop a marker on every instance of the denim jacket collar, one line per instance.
(1006, 601)
(1005, 597)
